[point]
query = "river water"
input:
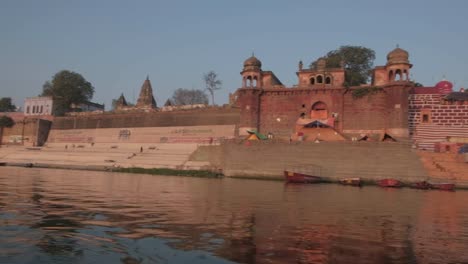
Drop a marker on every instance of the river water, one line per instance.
(60, 216)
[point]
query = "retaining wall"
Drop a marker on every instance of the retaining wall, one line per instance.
(368, 160)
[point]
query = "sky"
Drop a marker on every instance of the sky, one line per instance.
(115, 44)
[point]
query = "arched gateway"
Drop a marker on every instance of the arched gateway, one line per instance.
(319, 111)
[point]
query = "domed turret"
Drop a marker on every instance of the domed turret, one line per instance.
(397, 56)
(444, 87)
(252, 63)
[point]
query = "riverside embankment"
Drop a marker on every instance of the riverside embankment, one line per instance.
(261, 160)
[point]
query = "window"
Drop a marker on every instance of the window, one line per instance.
(328, 80)
(27, 109)
(319, 79)
(425, 118)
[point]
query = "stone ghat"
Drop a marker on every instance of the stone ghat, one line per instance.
(59, 155)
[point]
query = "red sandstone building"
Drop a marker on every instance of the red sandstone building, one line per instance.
(320, 107)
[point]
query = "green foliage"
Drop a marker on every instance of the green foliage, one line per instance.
(212, 83)
(6, 121)
(67, 88)
(188, 97)
(357, 62)
(363, 91)
(171, 172)
(6, 105)
(416, 84)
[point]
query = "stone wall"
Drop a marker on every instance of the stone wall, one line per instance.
(277, 110)
(28, 132)
(368, 160)
(198, 117)
(180, 134)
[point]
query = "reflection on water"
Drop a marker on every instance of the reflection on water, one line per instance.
(57, 216)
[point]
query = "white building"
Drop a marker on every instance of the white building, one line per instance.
(42, 105)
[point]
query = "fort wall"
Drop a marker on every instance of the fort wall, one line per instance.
(198, 117)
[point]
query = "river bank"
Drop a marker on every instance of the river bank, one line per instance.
(261, 161)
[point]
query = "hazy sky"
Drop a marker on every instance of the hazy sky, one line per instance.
(116, 44)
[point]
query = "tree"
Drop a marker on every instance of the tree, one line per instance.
(212, 83)
(5, 121)
(6, 105)
(357, 62)
(67, 88)
(189, 97)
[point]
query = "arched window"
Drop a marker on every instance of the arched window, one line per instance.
(27, 109)
(249, 81)
(319, 79)
(255, 81)
(405, 75)
(312, 80)
(390, 75)
(398, 73)
(328, 80)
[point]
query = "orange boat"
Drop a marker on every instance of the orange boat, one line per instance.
(297, 177)
(390, 183)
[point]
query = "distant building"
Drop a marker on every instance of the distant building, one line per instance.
(87, 107)
(36, 106)
(145, 101)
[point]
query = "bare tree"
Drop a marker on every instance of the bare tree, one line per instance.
(188, 97)
(212, 83)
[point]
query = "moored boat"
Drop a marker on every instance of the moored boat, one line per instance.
(422, 185)
(297, 177)
(443, 186)
(351, 181)
(390, 183)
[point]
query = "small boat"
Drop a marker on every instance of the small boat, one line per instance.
(443, 186)
(390, 183)
(422, 185)
(297, 177)
(351, 181)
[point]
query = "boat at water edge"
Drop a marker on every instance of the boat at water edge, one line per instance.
(390, 183)
(356, 181)
(422, 185)
(443, 186)
(297, 177)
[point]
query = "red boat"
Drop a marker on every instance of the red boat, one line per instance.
(443, 186)
(351, 181)
(390, 183)
(423, 185)
(297, 177)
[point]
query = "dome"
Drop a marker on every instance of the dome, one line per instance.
(252, 62)
(444, 87)
(397, 56)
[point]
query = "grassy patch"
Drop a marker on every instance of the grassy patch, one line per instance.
(171, 172)
(363, 91)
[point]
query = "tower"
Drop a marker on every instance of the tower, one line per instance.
(146, 99)
(252, 73)
(398, 65)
